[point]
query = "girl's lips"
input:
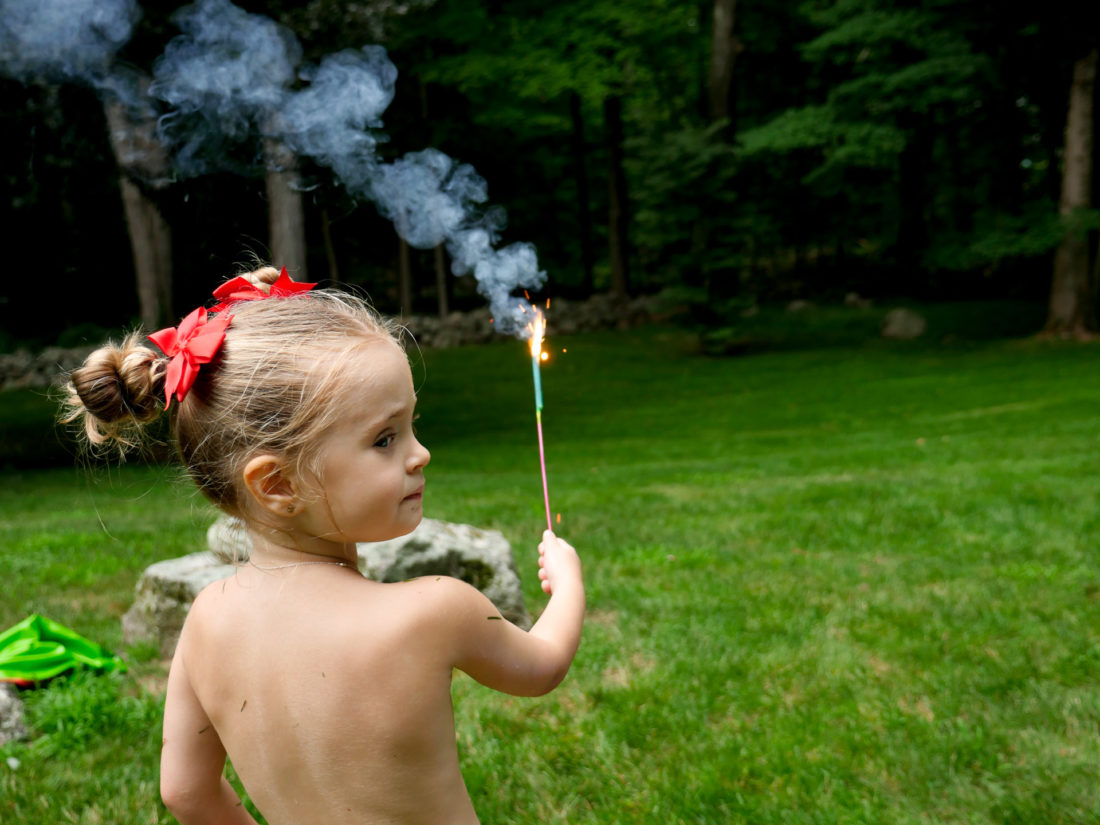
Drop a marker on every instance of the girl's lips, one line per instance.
(419, 494)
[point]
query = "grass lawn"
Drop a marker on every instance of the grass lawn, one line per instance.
(849, 585)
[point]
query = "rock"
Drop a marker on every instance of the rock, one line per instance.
(799, 305)
(903, 324)
(12, 726)
(854, 301)
(228, 540)
(164, 595)
(479, 557)
(482, 558)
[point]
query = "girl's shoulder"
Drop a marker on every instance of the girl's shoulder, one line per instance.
(443, 600)
(438, 592)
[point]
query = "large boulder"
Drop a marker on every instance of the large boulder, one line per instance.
(482, 558)
(903, 324)
(479, 557)
(164, 595)
(12, 726)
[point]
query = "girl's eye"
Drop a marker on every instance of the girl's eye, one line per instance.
(384, 441)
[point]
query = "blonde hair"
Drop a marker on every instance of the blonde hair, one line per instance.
(274, 387)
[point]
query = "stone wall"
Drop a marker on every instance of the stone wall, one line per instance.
(40, 370)
(43, 369)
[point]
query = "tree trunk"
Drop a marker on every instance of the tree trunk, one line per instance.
(618, 216)
(1071, 310)
(330, 249)
(141, 157)
(442, 282)
(723, 53)
(439, 259)
(725, 46)
(404, 276)
(580, 174)
(285, 215)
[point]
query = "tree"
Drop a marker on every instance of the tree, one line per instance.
(618, 220)
(143, 166)
(892, 89)
(286, 217)
(580, 174)
(725, 46)
(1071, 295)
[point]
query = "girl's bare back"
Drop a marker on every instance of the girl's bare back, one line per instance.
(331, 694)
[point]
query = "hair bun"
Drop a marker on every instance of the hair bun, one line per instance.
(117, 390)
(262, 278)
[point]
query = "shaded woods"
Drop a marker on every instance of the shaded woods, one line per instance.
(734, 152)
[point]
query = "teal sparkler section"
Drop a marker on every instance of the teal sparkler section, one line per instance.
(538, 381)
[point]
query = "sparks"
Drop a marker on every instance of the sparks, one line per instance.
(537, 329)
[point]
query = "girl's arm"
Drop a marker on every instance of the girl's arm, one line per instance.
(500, 655)
(192, 759)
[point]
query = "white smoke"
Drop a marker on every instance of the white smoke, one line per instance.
(64, 40)
(231, 75)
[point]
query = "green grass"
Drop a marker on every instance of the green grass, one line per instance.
(848, 585)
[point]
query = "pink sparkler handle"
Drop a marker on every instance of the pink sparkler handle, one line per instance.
(542, 463)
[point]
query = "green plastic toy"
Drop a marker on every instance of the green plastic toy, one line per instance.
(38, 649)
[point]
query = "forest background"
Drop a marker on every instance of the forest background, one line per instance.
(728, 154)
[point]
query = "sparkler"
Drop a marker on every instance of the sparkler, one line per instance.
(537, 328)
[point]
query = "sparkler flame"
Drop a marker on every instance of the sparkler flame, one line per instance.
(537, 329)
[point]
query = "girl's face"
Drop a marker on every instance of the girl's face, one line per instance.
(371, 465)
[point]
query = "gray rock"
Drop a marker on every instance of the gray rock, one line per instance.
(164, 595)
(228, 540)
(482, 558)
(903, 324)
(479, 557)
(12, 726)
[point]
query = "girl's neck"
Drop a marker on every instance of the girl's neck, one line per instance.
(272, 547)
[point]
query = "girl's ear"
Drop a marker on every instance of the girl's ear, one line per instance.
(268, 482)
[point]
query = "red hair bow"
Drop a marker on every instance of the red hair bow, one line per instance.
(241, 289)
(194, 342)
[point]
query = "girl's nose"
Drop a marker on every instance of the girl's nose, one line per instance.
(419, 457)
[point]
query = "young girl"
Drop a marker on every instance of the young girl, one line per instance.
(293, 410)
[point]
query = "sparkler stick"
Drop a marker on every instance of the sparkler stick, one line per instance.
(537, 328)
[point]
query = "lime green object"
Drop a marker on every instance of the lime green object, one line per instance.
(38, 649)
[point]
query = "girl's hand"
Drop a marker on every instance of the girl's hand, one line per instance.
(559, 564)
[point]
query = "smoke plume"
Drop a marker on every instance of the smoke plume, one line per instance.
(62, 41)
(230, 75)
